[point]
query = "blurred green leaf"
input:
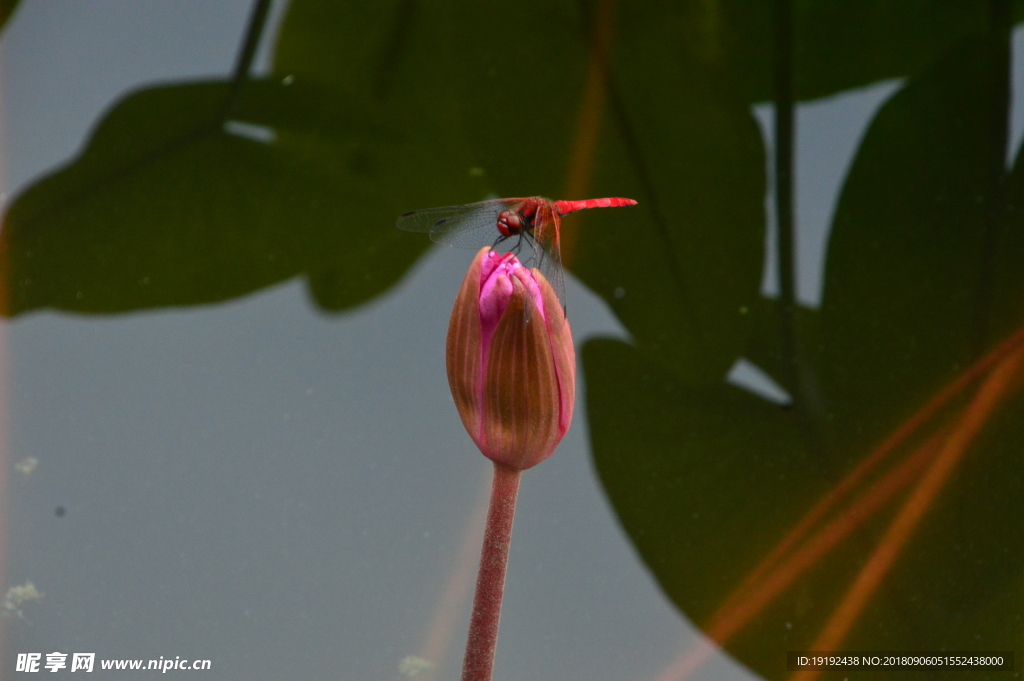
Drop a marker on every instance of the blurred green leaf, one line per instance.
(719, 461)
(838, 46)
(845, 45)
(706, 480)
(923, 277)
(678, 270)
(7, 8)
(691, 270)
(185, 195)
(907, 251)
(682, 272)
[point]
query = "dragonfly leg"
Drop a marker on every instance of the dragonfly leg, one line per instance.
(497, 241)
(517, 249)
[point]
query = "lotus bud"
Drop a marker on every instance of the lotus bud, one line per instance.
(511, 362)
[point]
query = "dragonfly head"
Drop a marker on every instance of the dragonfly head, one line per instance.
(510, 223)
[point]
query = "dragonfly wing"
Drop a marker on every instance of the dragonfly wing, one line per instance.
(427, 219)
(470, 226)
(548, 253)
(472, 230)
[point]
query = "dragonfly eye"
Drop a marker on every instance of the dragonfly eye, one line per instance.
(509, 223)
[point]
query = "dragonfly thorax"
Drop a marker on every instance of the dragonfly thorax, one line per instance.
(511, 223)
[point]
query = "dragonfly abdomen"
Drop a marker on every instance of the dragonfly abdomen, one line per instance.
(564, 207)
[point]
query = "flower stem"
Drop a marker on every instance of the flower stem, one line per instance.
(490, 582)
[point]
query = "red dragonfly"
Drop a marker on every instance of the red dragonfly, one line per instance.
(528, 227)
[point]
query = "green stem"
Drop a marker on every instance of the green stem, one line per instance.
(784, 189)
(1001, 23)
(490, 584)
(247, 53)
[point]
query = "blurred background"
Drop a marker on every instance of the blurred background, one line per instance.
(224, 413)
